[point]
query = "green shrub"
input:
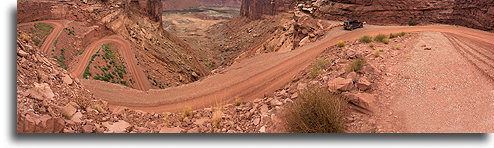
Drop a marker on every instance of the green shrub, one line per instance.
(380, 38)
(411, 23)
(43, 27)
(391, 36)
(356, 65)
(385, 41)
(318, 111)
(365, 39)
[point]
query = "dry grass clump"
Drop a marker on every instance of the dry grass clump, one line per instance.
(238, 101)
(341, 44)
(377, 53)
(318, 111)
(365, 39)
(381, 38)
(372, 45)
(391, 36)
(216, 118)
(25, 37)
(318, 66)
(187, 111)
(356, 65)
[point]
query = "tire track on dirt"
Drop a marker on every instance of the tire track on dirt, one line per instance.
(482, 65)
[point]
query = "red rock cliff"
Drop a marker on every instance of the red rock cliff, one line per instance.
(254, 9)
(471, 13)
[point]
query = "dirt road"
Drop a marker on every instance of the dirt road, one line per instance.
(57, 25)
(78, 70)
(141, 82)
(252, 77)
(448, 89)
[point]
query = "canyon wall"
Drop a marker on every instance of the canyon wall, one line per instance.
(151, 8)
(220, 3)
(471, 13)
(254, 9)
(192, 4)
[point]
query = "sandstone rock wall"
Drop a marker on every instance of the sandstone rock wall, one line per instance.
(471, 13)
(254, 9)
(151, 8)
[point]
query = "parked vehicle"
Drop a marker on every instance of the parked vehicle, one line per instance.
(353, 24)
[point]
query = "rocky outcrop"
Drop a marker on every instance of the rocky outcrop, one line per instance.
(151, 8)
(471, 13)
(254, 9)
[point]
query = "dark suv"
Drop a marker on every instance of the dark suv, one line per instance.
(353, 24)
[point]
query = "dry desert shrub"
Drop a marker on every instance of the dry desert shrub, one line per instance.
(365, 39)
(318, 67)
(341, 44)
(217, 116)
(381, 38)
(318, 111)
(187, 111)
(356, 65)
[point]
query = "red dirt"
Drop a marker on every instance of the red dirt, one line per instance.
(447, 89)
(253, 77)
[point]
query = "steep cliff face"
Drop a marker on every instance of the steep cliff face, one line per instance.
(254, 9)
(150, 8)
(471, 13)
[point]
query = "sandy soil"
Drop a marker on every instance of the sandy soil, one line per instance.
(439, 90)
(250, 78)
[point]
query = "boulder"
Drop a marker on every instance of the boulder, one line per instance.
(76, 117)
(68, 110)
(340, 84)
(41, 92)
(66, 79)
(22, 53)
(33, 123)
(88, 128)
(201, 121)
(352, 75)
(170, 130)
(363, 100)
(363, 84)
(262, 129)
(117, 127)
